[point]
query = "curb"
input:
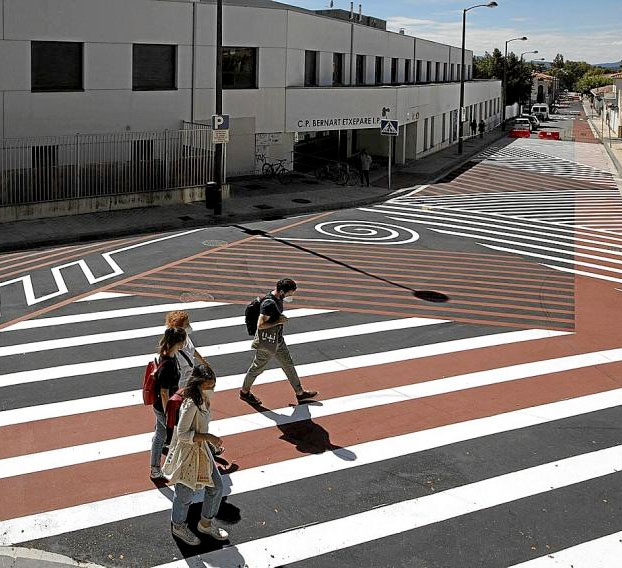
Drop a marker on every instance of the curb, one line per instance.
(15, 557)
(212, 221)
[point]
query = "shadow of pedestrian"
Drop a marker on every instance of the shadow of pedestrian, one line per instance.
(299, 430)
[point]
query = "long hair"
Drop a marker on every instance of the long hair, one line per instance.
(200, 374)
(172, 336)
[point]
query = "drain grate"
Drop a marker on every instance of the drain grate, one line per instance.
(263, 206)
(300, 200)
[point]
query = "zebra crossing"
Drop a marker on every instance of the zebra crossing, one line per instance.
(540, 157)
(401, 449)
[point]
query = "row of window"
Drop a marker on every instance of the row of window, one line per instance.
(59, 66)
(443, 71)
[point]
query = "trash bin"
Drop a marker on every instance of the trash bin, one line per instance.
(213, 197)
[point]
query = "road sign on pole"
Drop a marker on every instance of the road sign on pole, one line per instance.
(220, 136)
(220, 122)
(389, 127)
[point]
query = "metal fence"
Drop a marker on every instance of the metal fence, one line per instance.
(54, 168)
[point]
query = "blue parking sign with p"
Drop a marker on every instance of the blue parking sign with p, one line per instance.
(220, 122)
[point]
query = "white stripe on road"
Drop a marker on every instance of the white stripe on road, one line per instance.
(104, 296)
(604, 552)
(106, 449)
(124, 335)
(108, 314)
(357, 361)
(311, 541)
(60, 521)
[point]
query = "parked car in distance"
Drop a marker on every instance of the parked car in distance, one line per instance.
(535, 123)
(541, 111)
(522, 124)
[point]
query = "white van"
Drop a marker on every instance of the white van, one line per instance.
(541, 110)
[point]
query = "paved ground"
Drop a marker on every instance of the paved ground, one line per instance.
(481, 431)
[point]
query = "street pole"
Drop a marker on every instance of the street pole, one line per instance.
(390, 158)
(461, 124)
(218, 151)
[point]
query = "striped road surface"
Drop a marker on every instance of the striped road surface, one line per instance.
(434, 443)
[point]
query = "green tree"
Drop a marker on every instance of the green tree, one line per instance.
(489, 67)
(558, 62)
(593, 80)
(519, 80)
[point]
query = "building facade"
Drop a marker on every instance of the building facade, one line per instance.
(544, 88)
(296, 83)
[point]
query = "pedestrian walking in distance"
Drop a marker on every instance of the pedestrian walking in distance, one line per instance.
(187, 355)
(190, 464)
(166, 385)
(269, 343)
(482, 128)
(473, 127)
(366, 162)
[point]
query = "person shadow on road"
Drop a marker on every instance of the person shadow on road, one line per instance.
(299, 430)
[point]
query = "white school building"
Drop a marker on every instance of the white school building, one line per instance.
(297, 83)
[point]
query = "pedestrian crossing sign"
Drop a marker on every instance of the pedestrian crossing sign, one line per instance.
(389, 127)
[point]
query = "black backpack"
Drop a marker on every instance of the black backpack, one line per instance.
(251, 314)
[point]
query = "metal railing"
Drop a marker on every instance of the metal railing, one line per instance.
(55, 168)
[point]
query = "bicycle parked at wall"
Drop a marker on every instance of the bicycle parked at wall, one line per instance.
(338, 172)
(275, 169)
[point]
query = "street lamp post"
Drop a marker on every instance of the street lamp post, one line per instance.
(218, 150)
(505, 68)
(460, 122)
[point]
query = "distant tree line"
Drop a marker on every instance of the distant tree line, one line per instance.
(573, 75)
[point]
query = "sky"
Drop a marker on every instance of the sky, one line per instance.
(579, 30)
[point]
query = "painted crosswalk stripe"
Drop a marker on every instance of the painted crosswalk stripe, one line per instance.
(60, 521)
(598, 553)
(73, 455)
(322, 538)
(135, 333)
(104, 296)
(108, 314)
(116, 364)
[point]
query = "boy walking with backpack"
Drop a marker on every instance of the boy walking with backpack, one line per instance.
(269, 341)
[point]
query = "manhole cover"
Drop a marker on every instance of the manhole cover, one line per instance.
(255, 186)
(214, 243)
(186, 218)
(263, 206)
(310, 182)
(196, 297)
(301, 200)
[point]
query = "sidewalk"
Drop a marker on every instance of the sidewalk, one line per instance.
(251, 200)
(612, 144)
(15, 557)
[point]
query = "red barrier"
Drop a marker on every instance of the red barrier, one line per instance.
(549, 135)
(519, 133)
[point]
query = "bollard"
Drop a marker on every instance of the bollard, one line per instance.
(213, 197)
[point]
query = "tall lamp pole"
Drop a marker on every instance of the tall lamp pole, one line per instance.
(460, 123)
(505, 70)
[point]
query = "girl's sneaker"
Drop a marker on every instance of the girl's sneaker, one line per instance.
(183, 533)
(211, 530)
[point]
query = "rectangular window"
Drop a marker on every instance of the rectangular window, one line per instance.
(239, 67)
(428, 72)
(425, 134)
(360, 69)
(56, 66)
(337, 68)
(394, 70)
(445, 78)
(469, 72)
(453, 77)
(418, 71)
(310, 68)
(437, 69)
(459, 69)
(379, 70)
(444, 131)
(154, 67)
(432, 132)
(408, 71)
